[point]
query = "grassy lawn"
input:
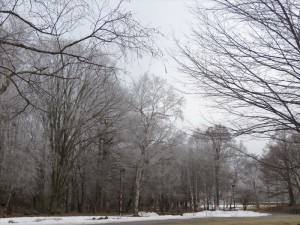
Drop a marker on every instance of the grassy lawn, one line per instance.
(241, 221)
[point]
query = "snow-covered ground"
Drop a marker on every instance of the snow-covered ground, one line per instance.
(111, 219)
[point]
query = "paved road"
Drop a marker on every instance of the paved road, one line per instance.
(201, 220)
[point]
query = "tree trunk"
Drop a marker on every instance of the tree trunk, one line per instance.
(67, 201)
(191, 192)
(256, 195)
(290, 190)
(138, 184)
(217, 168)
(7, 204)
(10, 195)
(55, 194)
(82, 197)
(55, 204)
(161, 204)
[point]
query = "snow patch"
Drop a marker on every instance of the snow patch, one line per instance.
(148, 214)
(144, 216)
(224, 214)
(48, 218)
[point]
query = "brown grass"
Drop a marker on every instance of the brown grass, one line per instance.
(278, 209)
(242, 221)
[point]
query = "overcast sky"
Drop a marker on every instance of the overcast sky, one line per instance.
(173, 18)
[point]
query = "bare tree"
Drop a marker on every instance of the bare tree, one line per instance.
(80, 107)
(198, 165)
(244, 54)
(251, 178)
(220, 141)
(155, 108)
(33, 30)
(279, 166)
(16, 163)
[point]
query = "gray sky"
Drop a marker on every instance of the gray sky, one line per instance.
(172, 17)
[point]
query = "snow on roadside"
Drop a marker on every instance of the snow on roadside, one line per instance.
(224, 214)
(112, 219)
(148, 214)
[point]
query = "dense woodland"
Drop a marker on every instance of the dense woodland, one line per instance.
(74, 137)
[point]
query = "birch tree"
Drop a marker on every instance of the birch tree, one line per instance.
(155, 108)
